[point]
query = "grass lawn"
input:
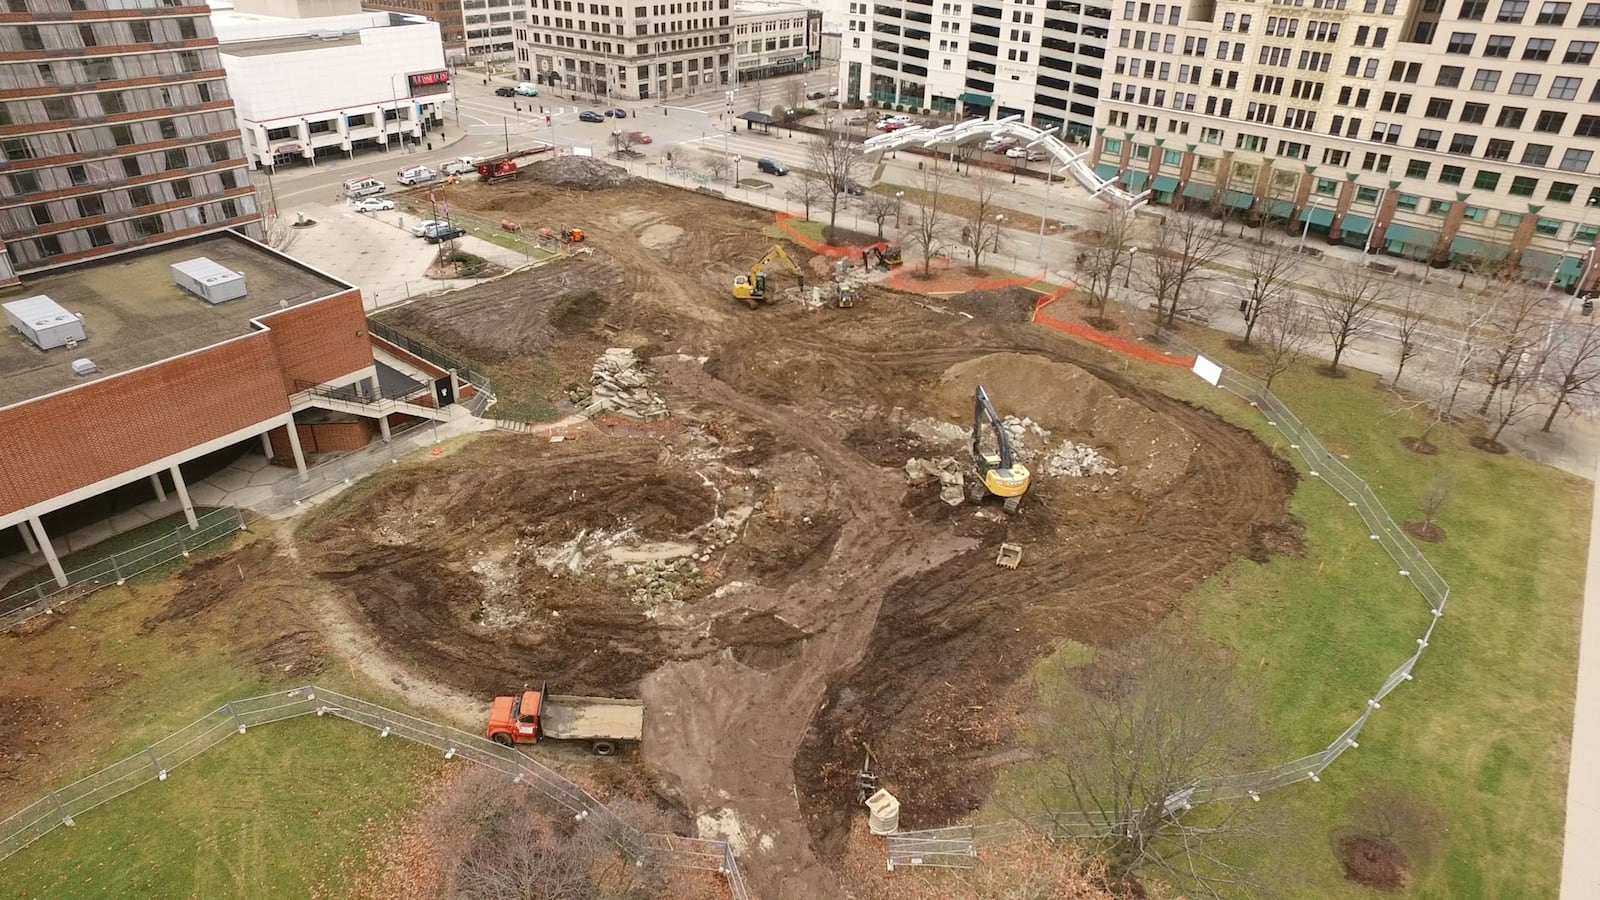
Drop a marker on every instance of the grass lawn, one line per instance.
(1482, 733)
(277, 812)
(522, 385)
(118, 543)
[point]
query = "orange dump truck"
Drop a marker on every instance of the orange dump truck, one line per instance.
(534, 716)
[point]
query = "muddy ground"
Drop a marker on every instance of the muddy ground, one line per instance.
(757, 568)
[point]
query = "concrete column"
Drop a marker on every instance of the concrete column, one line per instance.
(27, 537)
(49, 551)
(266, 444)
(383, 428)
(158, 487)
(183, 497)
(294, 445)
(1347, 193)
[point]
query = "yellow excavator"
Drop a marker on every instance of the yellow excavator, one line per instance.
(998, 473)
(752, 288)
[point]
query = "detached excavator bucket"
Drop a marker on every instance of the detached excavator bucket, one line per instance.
(1010, 556)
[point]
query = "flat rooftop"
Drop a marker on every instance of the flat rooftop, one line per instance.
(135, 315)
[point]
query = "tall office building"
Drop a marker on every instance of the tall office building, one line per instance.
(633, 49)
(117, 131)
(1039, 59)
(1440, 130)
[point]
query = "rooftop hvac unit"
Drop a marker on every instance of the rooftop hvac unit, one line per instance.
(44, 322)
(208, 281)
(84, 367)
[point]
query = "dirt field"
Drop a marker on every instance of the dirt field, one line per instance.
(757, 567)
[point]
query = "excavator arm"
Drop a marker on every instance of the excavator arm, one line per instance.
(999, 473)
(777, 252)
(752, 288)
(983, 414)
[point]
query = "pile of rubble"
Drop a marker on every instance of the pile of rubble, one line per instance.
(1078, 461)
(1018, 431)
(582, 172)
(618, 385)
(947, 469)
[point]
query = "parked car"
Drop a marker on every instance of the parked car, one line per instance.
(852, 188)
(372, 204)
(441, 232)
(1026, 153)
(771, 166)
(416, 175)
(999, 145)
(617, 112)
(505, 92)
(639, 137)
(461, 165)
(815, 95)
(833, 91)
(590, 115)
(426, 225)
(527, 89)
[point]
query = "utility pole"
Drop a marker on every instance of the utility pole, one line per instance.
(505, 127)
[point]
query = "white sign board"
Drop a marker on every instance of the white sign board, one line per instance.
(1208, 370)
(582, 151)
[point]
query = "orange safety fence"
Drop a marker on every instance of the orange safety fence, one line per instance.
(1095, 336)
(816, 246)
(944, 281)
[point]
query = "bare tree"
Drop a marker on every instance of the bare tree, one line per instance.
(1349, 305)
(808, 189)
(879, 207)
(981, 234)
(622, 141)
(929, 225)
(716, 165)
(1272, 270)
(276, 233)
(1432, 505)
(1183, 246)
(1411, 328)
(1518, 392)
(836, 158)
(1521, 317)
(1111, 229)
(1127, 756)
(1286, 329)
(1574, 365)
(794, 94)
(758, 93)
(1454, 359)
(1278, 190)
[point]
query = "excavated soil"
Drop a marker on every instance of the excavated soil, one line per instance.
(756, 567)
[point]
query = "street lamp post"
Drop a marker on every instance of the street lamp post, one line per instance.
(1583, 222)
(1372, 227)
(736, 158)
(1049, 173)
(898, 196)
(1127, 274)
(1307, 228)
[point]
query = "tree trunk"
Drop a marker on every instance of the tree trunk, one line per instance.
(1249, 326)
(1338, 351)
(1483, 408)
(1495, 438)
(1554, 408)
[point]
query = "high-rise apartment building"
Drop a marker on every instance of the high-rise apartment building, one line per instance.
(637, 50)
(1440, 130)
(1039, 59)
(117, 130)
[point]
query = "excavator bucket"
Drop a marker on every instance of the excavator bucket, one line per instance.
(1010, 556)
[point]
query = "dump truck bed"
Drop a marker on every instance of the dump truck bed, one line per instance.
(592, 718)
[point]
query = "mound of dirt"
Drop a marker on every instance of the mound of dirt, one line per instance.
(760, 640)
(1013, 304)
(1373, 862)
(1071, 403)
(582, 172)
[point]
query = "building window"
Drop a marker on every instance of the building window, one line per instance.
(131, 167)
(1460, 42)
(140, 196)
(1326, 187)
(182, 189)
(217, 152)
(1523, 84)
(1590, 17)
(1451, 174)
(1523, 186)
(1512, 11)
(1463, 144)
(1561, 192)
(50, 245)
(1474, 113)
(99, 236)
(1498, 149)
(1547, 227)
(148, 226)
(1588, 126)
(91, 206)
(1439, 207)
(1428, 139)
(1535, 154)
(1449, 76)
(1553, 13)
(1577, 160)
(1486, 180)
(1473, 10)
(1486, 80)
(1538, 49)
(1438, 108)
(121, 135)
(1581, 52)
(17, 148)
(1407, 202)
(1564, 88)
(1366, 195)
(1499, 46)
(1417, 168)
(1475, 214)
(1509, 220)
(1511, 117)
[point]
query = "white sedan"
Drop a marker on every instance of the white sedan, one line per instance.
(422, 228)
(372, 204)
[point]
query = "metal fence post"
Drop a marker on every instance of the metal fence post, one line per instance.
(155, 762)
(235, 713)
(61, 810)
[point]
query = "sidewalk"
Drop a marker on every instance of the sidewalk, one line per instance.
(1580, 869)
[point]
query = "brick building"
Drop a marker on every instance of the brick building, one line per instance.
(176, 378)
(116, 131)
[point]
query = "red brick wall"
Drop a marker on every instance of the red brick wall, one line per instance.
(324, 437)
(76, 438)
(321, 341)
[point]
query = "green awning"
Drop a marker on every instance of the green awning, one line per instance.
(976, 99)
(1196, 191)
(1472, 248)
(1570, 267)
(1355, 224)
(1538, 264)
(1165, 184)
(1319, 216)
(1237, 200)
(1137, 180)
(1278, 209)
(1401, 239)
(1107, 171)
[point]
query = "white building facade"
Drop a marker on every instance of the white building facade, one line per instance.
(490, 28)
(636, 50)
(311, 88)
(1448, 131)
(775, 39)
(1039, 59)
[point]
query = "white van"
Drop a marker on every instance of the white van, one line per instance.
(527, 89)
(363, 187)
(416, 175)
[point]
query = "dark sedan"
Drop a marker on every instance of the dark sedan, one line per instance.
(590, 115)
(618, 113)
(505, 92)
